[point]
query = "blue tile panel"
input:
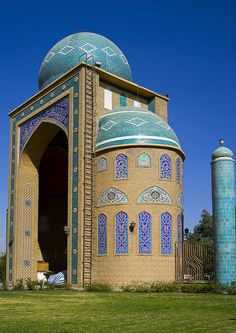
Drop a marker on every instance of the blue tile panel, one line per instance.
(179, 233)
(166, 233)
(121, 166)
(58, 113)
(71, 50)
(151, 105)
(71, 83)
(102, 164)
(178, 171)
(223, 196)
(102, 234)
(144, 233)
(165, 167)
(121, 233)
(123, 100)
(144, 160)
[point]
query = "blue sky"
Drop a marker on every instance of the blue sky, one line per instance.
(184, 48)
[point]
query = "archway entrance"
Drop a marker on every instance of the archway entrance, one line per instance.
(52, 207)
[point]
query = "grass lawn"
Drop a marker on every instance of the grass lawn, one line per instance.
(73, 311)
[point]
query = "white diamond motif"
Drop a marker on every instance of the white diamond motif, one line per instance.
(108, 51)
(108, 125)
(163, 125)
(50, 56)
(123, 59)
(136, 121)
(88, 47)
(66, 49)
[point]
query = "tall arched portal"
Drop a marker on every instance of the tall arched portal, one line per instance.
(52, 211)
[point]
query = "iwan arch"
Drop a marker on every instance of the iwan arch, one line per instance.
(95, 172)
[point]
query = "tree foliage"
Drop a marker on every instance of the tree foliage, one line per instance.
(2, 267)
(203, 231)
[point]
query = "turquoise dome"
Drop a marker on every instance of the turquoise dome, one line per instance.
(222, 152)
(134, 126)
(66, 54)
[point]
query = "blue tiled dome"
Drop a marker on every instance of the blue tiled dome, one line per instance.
(134, 126)
(222, 152)
(66, 54)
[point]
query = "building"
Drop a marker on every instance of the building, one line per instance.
(95, 181)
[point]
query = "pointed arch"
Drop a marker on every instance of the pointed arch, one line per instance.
(154, 195)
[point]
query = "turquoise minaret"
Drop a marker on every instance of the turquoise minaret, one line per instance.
(223, 200)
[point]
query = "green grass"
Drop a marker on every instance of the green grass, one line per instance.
(73, 311)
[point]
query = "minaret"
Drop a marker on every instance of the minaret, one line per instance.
(223, 202)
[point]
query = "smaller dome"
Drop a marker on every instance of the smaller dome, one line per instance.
(222, 152)
(129, 126)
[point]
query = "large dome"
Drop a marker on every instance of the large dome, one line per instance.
(66, 54)
(134, 126)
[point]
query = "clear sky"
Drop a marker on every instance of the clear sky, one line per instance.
(184, 48)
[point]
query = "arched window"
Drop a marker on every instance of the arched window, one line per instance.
(123, 100)
(178, 169)
(121, 233)
(102, 164)
(102, 234)
(144, 233)
(144, 160)
(166, 233)
(179, 233)
(121, 166)
(165, 167)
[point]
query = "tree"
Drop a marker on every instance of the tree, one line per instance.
(2, 266)
(203, 232)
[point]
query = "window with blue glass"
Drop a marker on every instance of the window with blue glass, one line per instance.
(121, 233)
(178, 170)
(102, 164)
(102, 234)
(123, 100)
(144, 160)
(144, 233)
(121, 166)
(165, 167)
(166, 233)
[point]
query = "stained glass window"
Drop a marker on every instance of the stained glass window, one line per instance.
(123, 100)
(166, 233)
(121, 233)
(179, 231)
(144, 229)
(165, 167)
(102, 164)
(178, 169)
(102, 234)
(144, 160)
(121, 166)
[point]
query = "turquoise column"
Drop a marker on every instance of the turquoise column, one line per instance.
(223, 202)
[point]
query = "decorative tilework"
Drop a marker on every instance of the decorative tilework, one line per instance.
(165, 167)
(102, 234)
(154, 195)
(58, 112)
(121, 233)
(123, 100)
(180, 200)
(178, 169)
(102, 164)
(144, 233)
(144, 160)
(111, 197)
(179, 233)
(137, 121)
(106, 127)
(166, 233)
(121, 166)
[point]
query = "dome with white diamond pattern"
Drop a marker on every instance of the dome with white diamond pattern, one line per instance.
(133, 126)
(71, 50)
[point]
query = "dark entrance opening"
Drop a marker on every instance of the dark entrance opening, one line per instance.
(53, 188)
